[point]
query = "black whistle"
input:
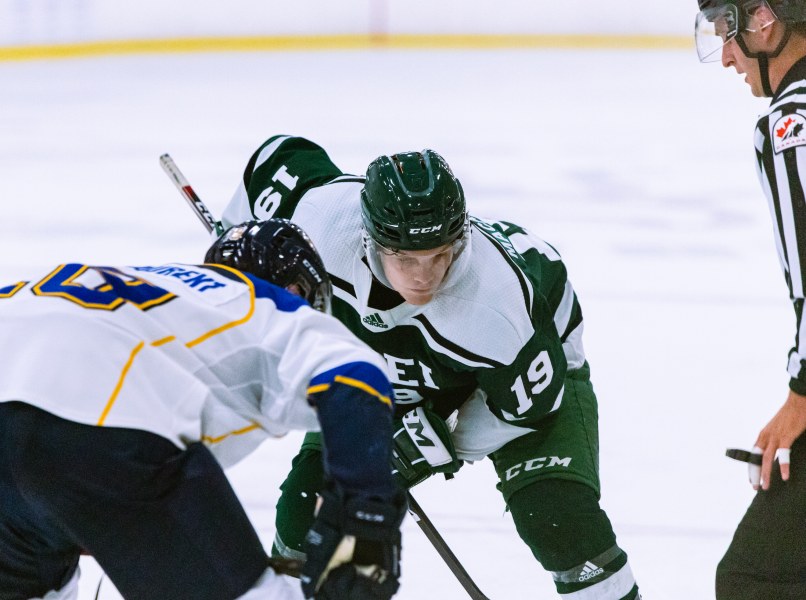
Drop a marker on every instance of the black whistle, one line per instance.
(743, 455)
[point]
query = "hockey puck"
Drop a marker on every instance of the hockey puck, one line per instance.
(743, 455)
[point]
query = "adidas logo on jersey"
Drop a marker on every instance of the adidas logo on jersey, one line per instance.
(589, 571)
(375, 320)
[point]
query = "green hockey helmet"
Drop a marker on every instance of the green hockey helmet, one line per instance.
(412, 201)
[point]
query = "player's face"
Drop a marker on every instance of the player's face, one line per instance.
(295, 289)
(733, 56)
(758, 36)
(416, 274)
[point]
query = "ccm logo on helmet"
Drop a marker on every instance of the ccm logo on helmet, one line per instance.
(416, 230)
(312, 270)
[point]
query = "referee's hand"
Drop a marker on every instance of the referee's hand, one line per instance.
(776, 439)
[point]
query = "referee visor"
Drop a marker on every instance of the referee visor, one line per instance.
(713, 28)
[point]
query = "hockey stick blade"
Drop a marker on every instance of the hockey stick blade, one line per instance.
(182, 184)
(743, 455)
(444, 551)
(286, 566)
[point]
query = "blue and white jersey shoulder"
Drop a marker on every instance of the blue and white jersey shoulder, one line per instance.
(187, 352)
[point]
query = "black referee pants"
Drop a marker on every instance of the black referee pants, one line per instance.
(767, 558)
(161, 522)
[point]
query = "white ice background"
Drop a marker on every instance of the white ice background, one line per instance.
(637, 166)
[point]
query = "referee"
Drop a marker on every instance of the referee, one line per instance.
(766, 42)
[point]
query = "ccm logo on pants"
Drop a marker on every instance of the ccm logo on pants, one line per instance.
(537, 463)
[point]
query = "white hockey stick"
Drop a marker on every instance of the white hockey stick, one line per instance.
(181, 183)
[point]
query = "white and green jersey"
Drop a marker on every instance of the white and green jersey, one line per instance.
(502, 331)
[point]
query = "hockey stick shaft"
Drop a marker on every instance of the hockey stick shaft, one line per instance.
(445, 552)
(182, 184)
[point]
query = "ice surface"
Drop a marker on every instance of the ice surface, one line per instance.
(637, 166)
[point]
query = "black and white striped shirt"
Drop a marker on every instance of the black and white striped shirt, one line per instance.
(780, 141)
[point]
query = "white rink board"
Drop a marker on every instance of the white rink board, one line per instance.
(24, 22)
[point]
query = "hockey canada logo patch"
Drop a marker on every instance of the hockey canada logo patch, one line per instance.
(789, 131)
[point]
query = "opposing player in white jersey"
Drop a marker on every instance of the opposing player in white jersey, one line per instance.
(473, 317)
(121, 386)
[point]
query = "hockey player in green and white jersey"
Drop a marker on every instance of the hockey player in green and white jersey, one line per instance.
(481, 331)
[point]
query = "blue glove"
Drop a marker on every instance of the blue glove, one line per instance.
(353, 548)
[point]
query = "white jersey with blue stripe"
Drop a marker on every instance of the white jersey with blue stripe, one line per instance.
(187, 352)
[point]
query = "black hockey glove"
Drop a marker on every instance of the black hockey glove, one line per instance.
(353, 548)
(422, 447)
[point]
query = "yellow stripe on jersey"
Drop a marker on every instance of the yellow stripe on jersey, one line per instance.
(119, 385)
(163, 341)
(231, 324)
(315, 389)
(170, 338)
(363, 386)
(214, 440)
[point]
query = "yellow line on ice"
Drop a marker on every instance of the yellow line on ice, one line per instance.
(283, 43)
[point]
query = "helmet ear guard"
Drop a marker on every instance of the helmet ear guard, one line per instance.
(278, 251)
(412, 201)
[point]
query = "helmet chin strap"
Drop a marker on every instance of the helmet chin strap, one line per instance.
(764, 59)
(764, 69)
